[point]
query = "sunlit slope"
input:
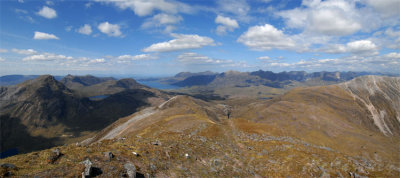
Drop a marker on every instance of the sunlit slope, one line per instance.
(326, 116)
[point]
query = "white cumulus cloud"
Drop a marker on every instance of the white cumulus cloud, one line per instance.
(47, 12)
(264, 58)
(110, 29)
(239, 8)
(194, 58)
(393, 55)
(226, 24)
(137, 57)
(331, 17)
(362, 47)
(359, 47)
(181, 42)
(44, 36)
(85, 29)
(163, 20)
(386, 7)
(24, 51)
(46, 57)
(95, 61)
(147, 7)
(50, 3)
(266, 37)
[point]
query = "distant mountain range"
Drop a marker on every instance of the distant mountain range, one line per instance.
(265, 78)
(188, 79)
(16, 79)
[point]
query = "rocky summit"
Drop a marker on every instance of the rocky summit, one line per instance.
(349, 129)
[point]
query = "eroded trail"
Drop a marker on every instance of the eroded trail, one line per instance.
(121, 128)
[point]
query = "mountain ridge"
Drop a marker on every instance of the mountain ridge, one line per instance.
(46, 107)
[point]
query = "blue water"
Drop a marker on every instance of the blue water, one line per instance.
(158, 85)
(8, 153)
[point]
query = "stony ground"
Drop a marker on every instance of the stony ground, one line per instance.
(208, 150)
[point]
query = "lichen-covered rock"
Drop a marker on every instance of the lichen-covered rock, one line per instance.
(55, 154)
(88, 168)
(130, 170)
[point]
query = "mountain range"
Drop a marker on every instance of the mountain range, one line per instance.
(313, 125)
(266, 78)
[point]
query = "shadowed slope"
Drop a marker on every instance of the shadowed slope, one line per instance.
(46, 109)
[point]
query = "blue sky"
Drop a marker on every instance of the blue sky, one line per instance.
(164, 37)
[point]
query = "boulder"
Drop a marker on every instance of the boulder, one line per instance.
(8, 166)
(88, 168)
(109, 155)
(54, 155)
(6, 169)
(156, 143)
(130, 170)
(136, 154)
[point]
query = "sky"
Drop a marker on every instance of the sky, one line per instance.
(164, 37)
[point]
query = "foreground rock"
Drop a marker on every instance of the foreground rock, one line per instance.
(54, 156)
(88, 168)
(130, 170)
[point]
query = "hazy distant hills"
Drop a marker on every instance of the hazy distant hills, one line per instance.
(16, 79)
(258, 84)
(45, 110)
(75, 82)
(265, 78)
